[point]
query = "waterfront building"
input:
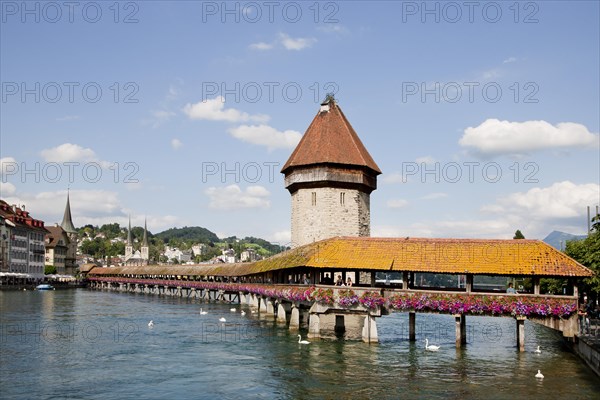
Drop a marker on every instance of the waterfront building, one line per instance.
(330, 176)
(5, 234)
(57, 247)
(26, 250)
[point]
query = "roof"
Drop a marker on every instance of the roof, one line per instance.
(20, 218)
(67, 222)
(55, 234)
(330, 139)
(450, 256)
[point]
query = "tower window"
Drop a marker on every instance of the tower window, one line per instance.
(314, 198)
(342, 198)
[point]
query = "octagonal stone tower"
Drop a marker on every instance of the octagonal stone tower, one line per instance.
(330, 176)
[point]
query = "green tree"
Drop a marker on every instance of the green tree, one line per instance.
(518, 235)
(49, 269)
(587, 252)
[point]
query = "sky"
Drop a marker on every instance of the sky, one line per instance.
(482, 116)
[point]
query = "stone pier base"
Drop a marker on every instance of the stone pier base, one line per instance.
(294, 318)
(369, 331)
(281, 314)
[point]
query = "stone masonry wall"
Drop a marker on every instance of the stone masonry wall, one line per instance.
(321, 213)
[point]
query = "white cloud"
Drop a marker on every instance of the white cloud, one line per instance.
(395, 177)
(295, 43)
(397, 203)
(7, 189)
(262, 46)
(92, 203)
(176, 143)
(385, 231)
(96, 207)
(214, 110)
(495, 137)
(425, 159)
(433, 196)
(8, 165)
(562, 200)
(232, 197)
(161, 116)
(68, 118)
(68, 152)
(265, 135)
(173, 92)
(333, 28)
(509, 60)
(282, 238)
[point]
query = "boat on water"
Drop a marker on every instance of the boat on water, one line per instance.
(44, 286)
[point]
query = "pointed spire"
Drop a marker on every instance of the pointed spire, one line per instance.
(145, 241)
(67, 222)
(129, 241)
(330, 139)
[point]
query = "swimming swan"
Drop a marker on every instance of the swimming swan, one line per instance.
(539, 375)
(432, 347)
(302, 341)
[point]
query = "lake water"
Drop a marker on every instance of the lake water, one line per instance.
(83, 344)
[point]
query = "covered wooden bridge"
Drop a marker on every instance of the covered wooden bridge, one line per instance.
(300, 281)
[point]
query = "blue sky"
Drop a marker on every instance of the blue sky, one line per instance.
(483, 116)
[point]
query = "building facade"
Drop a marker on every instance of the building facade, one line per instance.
(57, 248)
(26, 250)
(330, 176)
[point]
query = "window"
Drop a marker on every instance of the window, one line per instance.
(314, 198)
(342, 198)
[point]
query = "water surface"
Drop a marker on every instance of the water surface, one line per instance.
(82, 344)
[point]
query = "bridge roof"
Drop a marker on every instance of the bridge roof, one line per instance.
(450, 256)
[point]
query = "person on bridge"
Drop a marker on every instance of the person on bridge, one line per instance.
(349, 282)
(339, 281)
(305, 280)
(511, 289)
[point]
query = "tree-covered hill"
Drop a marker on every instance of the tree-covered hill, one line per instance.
(194, 234)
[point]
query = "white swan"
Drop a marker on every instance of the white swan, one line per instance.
(222, 319)
(539, 375)
(538, 350)
(150, 324)
(302, 341)
(232, 310)
(243, 313)
(432, 347)
(203, 312)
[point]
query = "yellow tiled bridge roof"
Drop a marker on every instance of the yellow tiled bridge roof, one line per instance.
(450, 256)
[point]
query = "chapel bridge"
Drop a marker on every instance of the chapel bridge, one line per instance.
(266, 284)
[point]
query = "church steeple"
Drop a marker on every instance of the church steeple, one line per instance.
(144, 249)
(145, 241)
(129, 241)
(67, 222)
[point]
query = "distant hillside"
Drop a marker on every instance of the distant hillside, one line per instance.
(554, 239)
(196, 234)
